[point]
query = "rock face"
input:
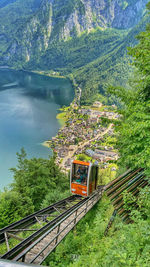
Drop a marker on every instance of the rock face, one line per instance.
(55, 20)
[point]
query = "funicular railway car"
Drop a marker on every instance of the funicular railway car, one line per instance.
(83, 178)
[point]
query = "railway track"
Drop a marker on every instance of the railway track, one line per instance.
(130, 182)
(35, 225)
(43, 215)
(58, 220)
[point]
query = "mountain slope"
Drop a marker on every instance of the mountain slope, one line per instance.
(87, 38)
(113, 68)
(30, 27)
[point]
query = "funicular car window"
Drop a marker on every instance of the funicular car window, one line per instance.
(91, 176)
(94, 173)
(80, 174)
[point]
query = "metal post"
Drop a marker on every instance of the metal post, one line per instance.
(93, 201)
(37, 220)
(86, 207)
(6, 239)
(57, 233)
(98, 195)
(75, 216)
(23, 258)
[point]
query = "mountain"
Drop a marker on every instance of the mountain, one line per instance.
(86, 38)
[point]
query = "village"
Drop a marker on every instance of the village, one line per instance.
(84, 132)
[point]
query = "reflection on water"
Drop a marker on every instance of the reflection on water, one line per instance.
(28, 107)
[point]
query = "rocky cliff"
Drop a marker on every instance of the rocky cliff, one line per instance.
(30, 27)
(84, 38)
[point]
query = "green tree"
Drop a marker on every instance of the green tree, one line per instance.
(134, 127)
(37, 183)
(36, 177)
(13, 207)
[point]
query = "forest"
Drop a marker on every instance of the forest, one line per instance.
(95, 60)
(95, 57)
(37, 184)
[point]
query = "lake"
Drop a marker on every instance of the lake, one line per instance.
(29, 104)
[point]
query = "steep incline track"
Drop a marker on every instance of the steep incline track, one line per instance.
(57, 220)
(130, 182)
(37, 246)
(44, 215)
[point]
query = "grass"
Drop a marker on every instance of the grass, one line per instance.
(49, 74)
(62, 118)
(107, 175)
(84, 158)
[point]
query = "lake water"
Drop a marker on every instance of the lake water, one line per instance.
(29, 104)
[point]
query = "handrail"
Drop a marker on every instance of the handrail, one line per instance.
(88, 204)
(16, 249)
(33, 215)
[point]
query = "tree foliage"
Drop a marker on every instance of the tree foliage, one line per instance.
(125, 245)
(134, 127)
(37, 183)
(13, 207)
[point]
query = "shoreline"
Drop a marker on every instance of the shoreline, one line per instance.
(36, 72)
(46, 144)
(49, 74)
(62, 114)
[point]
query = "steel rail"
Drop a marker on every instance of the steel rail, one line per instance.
(126, 186)
(26, 242)
(118, 179)
(134, 192)
(30, 219)
(129, 190)
(131, 182)
(120, 183)
(93, 200)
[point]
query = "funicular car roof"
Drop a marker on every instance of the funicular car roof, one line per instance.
(81, 162)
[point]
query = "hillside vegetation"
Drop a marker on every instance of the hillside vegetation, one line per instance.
(86, 40)
(37, 183)
(36, 179)
(126, 244)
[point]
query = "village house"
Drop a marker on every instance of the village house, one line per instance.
(113, 169)
(89, 152)
(62, 152)
(93, 120)
(102, 155)
(110, 154)
(54, 139)
(117, 116)
(68, 163)
(97, 113)
(97, 104)
(71, 148)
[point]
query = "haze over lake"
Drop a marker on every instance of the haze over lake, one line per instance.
(29, 104)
